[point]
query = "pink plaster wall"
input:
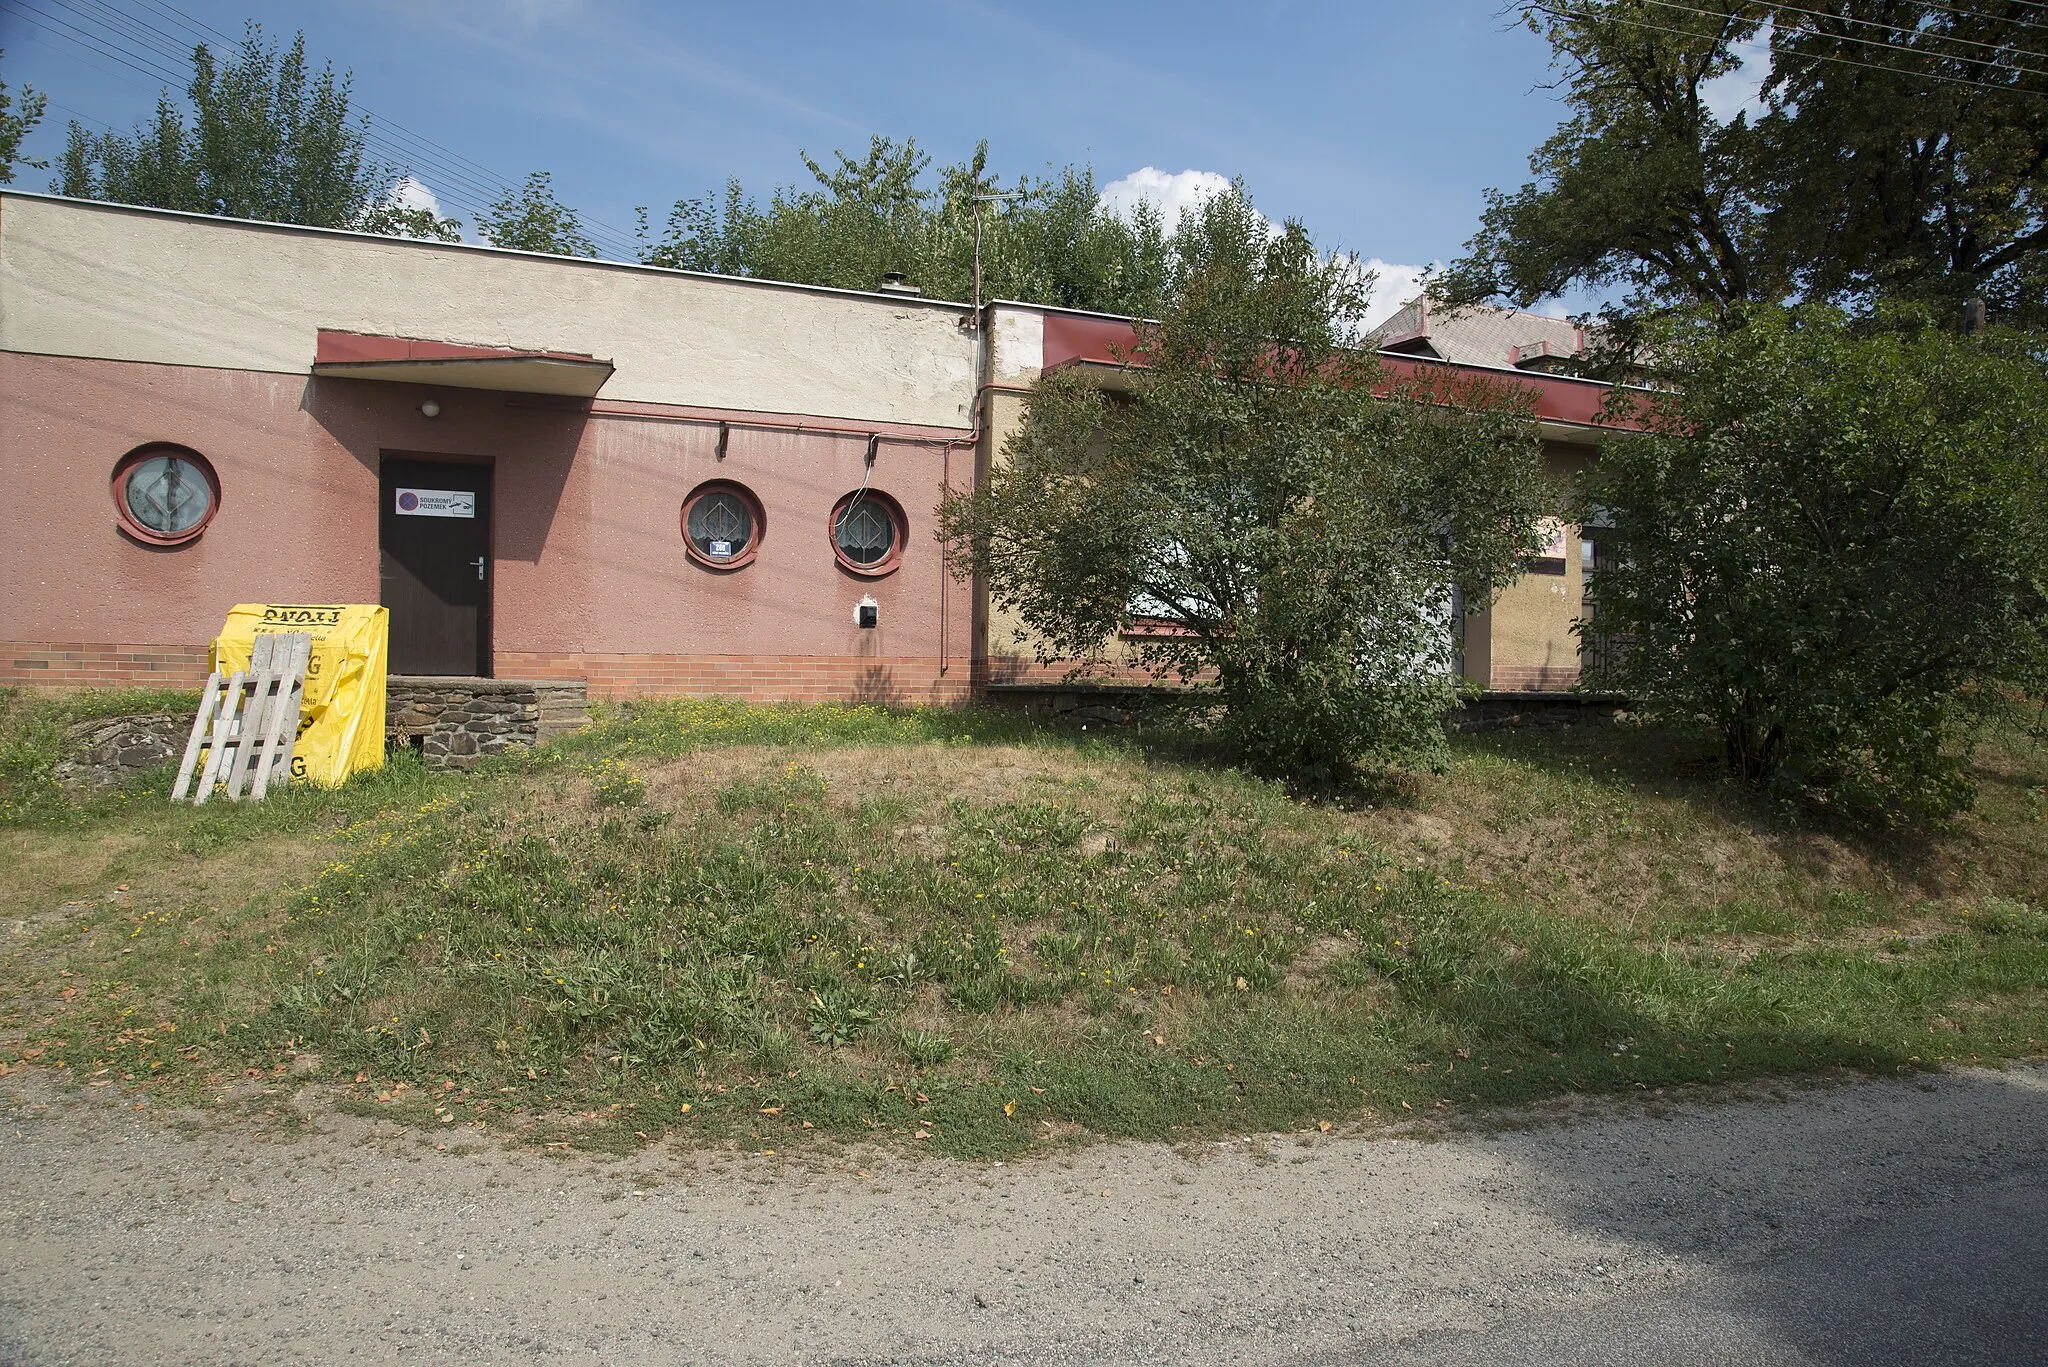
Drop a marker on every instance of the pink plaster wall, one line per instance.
(588, 552)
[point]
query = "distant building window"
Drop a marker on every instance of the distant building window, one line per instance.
(722, 525)
(1551, 560)
(164, 494)
(868, 532)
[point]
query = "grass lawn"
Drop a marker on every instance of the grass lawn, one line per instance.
(969, 933)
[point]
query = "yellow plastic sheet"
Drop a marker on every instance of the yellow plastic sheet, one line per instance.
(341, 720)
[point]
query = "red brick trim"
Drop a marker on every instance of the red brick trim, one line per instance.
(1023, 669)
(1535, 678)
(94, 665)
(901, 680)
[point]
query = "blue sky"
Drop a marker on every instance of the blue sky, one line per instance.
(1379, 124)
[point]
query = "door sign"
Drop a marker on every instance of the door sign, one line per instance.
(437, 503)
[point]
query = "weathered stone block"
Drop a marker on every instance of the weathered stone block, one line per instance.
(453, 723)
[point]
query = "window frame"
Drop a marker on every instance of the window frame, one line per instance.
(753, 505)
(124, 471)
(889, 563)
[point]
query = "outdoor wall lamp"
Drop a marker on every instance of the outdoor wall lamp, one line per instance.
(431, 408)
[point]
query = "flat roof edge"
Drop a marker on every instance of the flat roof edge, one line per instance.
(756, 282)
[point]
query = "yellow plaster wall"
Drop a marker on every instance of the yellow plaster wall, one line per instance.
(1524, 642)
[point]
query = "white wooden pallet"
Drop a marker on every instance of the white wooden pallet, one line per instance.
(248, 723)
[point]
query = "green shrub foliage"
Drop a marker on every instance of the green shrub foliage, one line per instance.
(1831, 545)
(1265, 508)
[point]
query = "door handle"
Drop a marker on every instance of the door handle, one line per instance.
(479, 563)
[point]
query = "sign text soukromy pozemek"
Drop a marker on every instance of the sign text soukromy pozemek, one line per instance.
(437, 503)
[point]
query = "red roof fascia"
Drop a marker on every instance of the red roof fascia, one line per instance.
(1071, 339)
(342, 348)
(1079, 337)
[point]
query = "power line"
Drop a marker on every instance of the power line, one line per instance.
(493, 183)
(1954, 13)
(138, 61)
(490, 184)
(87, 118)
(1840, 61)
(1880, 43)
(76, 38)
(463, 192)
(135, 42)
(82, 61)
(1904, 29)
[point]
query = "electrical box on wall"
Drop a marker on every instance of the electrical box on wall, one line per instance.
(867, 613)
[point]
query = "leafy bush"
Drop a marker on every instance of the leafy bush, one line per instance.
(1268, 510)
(1832, 545)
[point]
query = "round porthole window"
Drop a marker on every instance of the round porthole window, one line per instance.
(868, 532)
(164, 494)
(722, 525)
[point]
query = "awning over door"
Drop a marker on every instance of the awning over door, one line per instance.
(414, 360)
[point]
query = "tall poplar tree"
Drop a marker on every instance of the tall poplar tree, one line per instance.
(259, 135)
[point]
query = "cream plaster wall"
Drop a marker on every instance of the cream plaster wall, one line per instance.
(1016, 344)
(1529, 627)
(114, 283)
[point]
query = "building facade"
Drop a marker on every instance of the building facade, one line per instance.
(653, 480)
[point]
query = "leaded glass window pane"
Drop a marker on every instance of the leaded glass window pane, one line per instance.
(866, 532)
(168, 495)
(721, 526)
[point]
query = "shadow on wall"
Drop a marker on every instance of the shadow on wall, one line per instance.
(533, 448)
(877, 687)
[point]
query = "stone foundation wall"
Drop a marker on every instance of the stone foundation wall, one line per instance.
(111, 750)
(454, 723)
(1501, 711)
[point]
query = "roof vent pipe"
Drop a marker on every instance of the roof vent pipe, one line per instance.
(893, 283)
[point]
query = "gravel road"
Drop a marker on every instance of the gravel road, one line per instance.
(1852, 1223)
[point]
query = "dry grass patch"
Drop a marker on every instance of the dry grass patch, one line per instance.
(762, 926)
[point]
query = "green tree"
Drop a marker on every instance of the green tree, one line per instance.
(1927, 127)
(1642, 188)
(1831, 545)
(1902, 152)
(531, 219)
(261, 137)
(1045, 240)
(18, 118)
(1270, 523)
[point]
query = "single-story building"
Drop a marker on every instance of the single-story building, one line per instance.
(546, 467)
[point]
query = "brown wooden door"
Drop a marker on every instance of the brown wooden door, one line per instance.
(435, 531)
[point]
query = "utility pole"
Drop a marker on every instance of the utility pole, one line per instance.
(979, 200)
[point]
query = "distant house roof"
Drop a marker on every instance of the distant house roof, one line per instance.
(1479, 335)
(1565, 406)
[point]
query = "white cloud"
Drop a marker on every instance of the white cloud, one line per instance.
(1738, 91)
(1394, 284)
(1392, 287)
(1168, 193)
(413, 194)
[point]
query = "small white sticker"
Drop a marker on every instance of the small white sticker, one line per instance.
(437, 503)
